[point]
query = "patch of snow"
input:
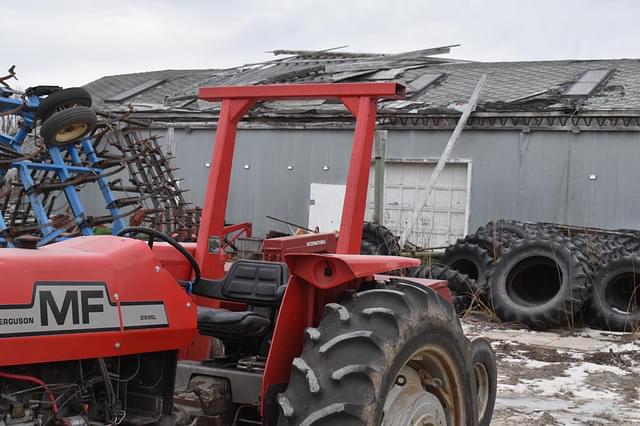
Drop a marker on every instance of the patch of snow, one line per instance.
(589, 367)
(624, 347)
(571, 353)
(533, 363)
(519, 388)
(510, 359)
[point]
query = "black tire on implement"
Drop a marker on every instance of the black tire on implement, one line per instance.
(615, 300)
(486, 375)
(542, 282)
(350, 363)
(471, 260)
(385, 243)
(68, 126)
(63, 99)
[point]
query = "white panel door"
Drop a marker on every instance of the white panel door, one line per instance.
(325, 207)
(445, 217)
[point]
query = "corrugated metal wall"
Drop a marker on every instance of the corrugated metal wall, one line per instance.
(540, 176)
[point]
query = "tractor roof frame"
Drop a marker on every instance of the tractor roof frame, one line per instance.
(359, 98)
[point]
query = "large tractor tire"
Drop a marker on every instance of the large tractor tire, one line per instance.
(615, 301)
(68, 126)
(471, 260)
(463, 289)
(496, 237)
(541, 282)
(509, 229)
(486, 375)
(387, 356)
(63, 99)
(378, 240)
(484, 241)
(368, 248)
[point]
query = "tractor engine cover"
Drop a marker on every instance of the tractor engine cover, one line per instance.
(89, 297)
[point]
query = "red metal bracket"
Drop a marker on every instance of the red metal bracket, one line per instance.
(359, 98)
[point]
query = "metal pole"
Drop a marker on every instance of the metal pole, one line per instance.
(378, 188)
(469, 108)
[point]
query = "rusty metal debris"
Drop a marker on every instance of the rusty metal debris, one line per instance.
(126, 159)
(145, 174)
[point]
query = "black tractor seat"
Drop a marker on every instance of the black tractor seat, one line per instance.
(260, 285)
(225, 324)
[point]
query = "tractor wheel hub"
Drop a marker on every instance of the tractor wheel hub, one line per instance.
(408, 403)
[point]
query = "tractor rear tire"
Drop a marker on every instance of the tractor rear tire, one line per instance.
(68, 126)
(541, 282)
(63, 99)
(486, 375)
(354, 366)
(615, 301)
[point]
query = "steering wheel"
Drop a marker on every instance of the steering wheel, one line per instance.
(153, 234)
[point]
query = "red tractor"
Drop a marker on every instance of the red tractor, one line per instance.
(105, 330)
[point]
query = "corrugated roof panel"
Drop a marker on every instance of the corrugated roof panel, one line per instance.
(134, 91)
(423, 82)
(386, 74)
(509, 81)
(399, 104)
(347, 75)
(588, 83)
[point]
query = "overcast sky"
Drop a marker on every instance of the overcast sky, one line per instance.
(72, 42)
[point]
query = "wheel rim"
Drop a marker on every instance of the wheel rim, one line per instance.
(483, 387)
(71, 132)
(428, 390)
(408, 403)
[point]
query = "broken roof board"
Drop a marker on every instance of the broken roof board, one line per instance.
(508, 81)
(422, 82)
(386, 74)
(129, 93)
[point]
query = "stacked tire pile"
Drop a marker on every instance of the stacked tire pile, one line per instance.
(547, 275)
(378, 240)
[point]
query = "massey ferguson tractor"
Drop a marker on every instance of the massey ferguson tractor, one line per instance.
(109, 330)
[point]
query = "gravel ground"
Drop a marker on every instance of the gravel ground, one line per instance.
(579, 377)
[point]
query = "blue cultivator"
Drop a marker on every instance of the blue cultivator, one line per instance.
(61, 160)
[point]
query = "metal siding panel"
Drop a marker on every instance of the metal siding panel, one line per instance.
(271, 189)
(540, 176)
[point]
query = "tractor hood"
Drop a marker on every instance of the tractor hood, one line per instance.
(88, 297)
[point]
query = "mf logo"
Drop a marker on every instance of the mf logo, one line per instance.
(80, 303)
(77, 307)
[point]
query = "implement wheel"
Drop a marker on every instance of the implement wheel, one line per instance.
(393, 356)
(63, 99)
(68, 126)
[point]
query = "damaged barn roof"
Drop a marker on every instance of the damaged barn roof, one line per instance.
(434, 85)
